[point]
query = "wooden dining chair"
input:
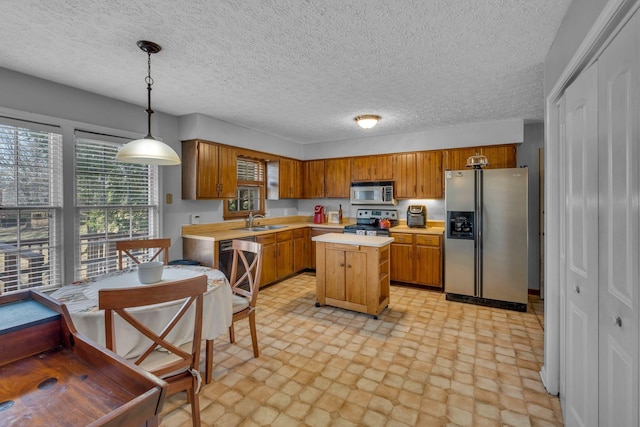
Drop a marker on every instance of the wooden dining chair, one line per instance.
(245, 284)
(178, 366)
(127, 247)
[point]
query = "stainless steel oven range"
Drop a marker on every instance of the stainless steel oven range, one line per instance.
(368, 222)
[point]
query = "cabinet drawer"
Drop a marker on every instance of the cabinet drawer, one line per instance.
(343, 247)
(298, 233)
(284, 236)
(266, 239)
(402, 238)
(428, 239)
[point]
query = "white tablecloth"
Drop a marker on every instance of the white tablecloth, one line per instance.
(81, 299)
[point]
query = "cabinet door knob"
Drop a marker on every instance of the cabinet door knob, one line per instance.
(577, 289)
(341, 265)
(617, 320)
(349, 266)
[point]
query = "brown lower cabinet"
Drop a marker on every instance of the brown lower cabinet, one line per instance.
(300, 249)
(277, 255)
(417, 259)
(268, 257)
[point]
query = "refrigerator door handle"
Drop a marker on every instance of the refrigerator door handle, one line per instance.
(478, 231)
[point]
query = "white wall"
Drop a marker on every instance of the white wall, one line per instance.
(574, 27)
(194, 126)
(466, 135)
(528, 156)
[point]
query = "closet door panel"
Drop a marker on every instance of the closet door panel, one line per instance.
(581, 200)
(619, 215)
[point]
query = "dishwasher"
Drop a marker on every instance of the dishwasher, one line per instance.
(225, 259)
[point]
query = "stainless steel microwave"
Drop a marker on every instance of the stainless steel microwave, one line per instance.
(372, 193)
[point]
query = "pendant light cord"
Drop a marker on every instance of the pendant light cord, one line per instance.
(149, 81)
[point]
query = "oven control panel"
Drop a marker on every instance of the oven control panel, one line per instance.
(390, 214)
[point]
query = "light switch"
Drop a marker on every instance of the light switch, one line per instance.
(169, 198)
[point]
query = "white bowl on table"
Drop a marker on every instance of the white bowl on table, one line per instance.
(150, 272)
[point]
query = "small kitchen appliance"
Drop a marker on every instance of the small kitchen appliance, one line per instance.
(372, 193)
(368, 222)
(318, 216)
(417, 216)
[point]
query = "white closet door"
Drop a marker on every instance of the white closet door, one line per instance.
(619, 232)
(562, 191)
(581, 234)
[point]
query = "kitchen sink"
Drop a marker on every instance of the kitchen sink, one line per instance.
(263, 228)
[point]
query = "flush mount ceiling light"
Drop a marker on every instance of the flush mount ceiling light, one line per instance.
(367, 121)
(148, 150)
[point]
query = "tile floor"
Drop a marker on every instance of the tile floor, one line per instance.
(425, 362)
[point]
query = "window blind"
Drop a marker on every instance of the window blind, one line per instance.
(30, 205)
(113, 201)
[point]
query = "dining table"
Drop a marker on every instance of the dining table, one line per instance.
(81, 299)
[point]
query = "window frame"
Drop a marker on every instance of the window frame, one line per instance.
(103, 244)
(244, 183)
(36, 264)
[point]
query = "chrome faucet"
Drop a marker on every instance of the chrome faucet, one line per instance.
(252, 217)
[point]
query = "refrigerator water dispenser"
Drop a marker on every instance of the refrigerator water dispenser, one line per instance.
(460, 225)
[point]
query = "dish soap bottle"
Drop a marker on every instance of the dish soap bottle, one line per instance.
(340, 215)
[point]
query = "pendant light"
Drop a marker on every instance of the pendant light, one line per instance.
(367, 121)
(148, 150)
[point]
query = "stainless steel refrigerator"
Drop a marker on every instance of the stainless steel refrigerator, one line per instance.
(486, 237)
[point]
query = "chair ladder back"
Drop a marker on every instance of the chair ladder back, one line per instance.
(252, 271)
(121, 300)
(127, 246)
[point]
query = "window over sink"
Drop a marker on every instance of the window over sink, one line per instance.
(250, 190)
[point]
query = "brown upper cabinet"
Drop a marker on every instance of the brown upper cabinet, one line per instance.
(209, 171)
(404, 175)
(429, 180)
(499, 156)
(418, 175)
(290, 179)
(314, 181)
(372, 168)
(337, 178)
(329, 178)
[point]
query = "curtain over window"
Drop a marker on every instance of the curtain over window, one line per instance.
(113, 201)
(30, 205)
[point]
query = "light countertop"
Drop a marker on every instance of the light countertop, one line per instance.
(405, 229)
(232, 229)
(353, 239)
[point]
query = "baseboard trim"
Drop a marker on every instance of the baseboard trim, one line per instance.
(508, 305)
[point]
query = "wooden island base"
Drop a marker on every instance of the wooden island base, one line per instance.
(352, 272)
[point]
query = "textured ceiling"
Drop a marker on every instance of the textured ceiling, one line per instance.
(299, 70)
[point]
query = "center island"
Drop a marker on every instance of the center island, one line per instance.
(353, 272)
